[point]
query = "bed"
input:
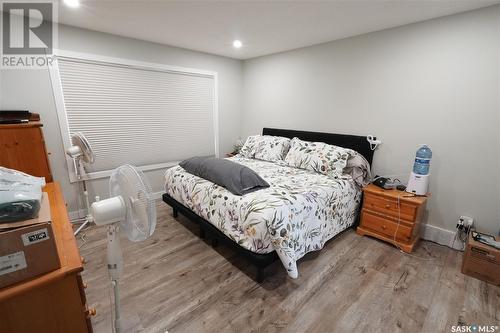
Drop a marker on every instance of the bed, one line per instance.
(297, 214)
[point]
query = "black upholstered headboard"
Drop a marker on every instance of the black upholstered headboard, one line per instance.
(354, 142)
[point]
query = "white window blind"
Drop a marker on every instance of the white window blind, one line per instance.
(138, 115)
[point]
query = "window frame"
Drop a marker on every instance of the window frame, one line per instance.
(86, 57)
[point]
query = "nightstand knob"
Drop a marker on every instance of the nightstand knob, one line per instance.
(90, 312)
(387, 206)
(384, 227)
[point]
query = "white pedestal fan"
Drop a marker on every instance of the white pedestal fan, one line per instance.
(130, 208)
(82, 154)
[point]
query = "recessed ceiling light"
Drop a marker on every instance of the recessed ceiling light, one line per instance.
(237, 44)
(72, 3)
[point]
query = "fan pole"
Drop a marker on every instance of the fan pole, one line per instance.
(88, 218)
(117, 320)
(115, 269)
(76, 164)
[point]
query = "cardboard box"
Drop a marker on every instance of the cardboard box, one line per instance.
(481, 261)
(28, 248)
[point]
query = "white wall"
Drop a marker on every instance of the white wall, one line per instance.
(435, 82)
(31, 89)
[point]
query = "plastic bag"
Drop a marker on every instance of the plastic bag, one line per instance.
(20, 195)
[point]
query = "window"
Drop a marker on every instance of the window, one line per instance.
(148, 115)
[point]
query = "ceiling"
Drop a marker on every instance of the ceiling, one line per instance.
(264, 27)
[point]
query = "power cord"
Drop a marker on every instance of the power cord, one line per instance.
(397, 228)
(455, 239)
(83, 240)
(462, 233)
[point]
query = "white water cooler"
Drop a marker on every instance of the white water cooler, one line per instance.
(418, 183)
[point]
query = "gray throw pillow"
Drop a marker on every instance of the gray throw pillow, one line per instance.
(236, 178)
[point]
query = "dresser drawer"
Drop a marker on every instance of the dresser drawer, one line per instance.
(390, 207)
(385, 226)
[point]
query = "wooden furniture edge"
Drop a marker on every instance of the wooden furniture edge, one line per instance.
(67, 248)
(47, 153)
(393, 219)
(394, 194)
(21, 125)
(406, 247)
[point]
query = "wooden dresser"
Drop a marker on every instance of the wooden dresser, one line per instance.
(391, 215)
(54, 302)
(22, 147)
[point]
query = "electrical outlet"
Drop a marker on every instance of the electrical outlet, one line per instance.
(466, 221)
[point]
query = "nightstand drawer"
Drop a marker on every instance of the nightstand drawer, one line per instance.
(389, 207)
(385, 226)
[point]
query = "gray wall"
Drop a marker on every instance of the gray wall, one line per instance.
(31, 89)
(435, 82)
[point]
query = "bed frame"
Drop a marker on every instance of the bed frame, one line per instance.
(358, 143)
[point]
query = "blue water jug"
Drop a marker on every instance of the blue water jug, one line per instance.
(422, 160)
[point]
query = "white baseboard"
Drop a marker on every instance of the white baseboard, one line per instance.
(441, 236)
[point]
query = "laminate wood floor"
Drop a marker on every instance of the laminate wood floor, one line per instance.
(177, 282)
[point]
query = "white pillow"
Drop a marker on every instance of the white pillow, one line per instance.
(265, 147)
(248, 149)
(272, 148)
(317, 156)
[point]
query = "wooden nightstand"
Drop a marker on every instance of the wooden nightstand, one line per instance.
(382, 212)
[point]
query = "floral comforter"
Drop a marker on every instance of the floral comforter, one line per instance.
(297, 214)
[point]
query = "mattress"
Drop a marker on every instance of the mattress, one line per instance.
(297, 214)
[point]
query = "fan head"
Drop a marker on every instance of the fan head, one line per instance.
(81, 148)
(131, 185)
